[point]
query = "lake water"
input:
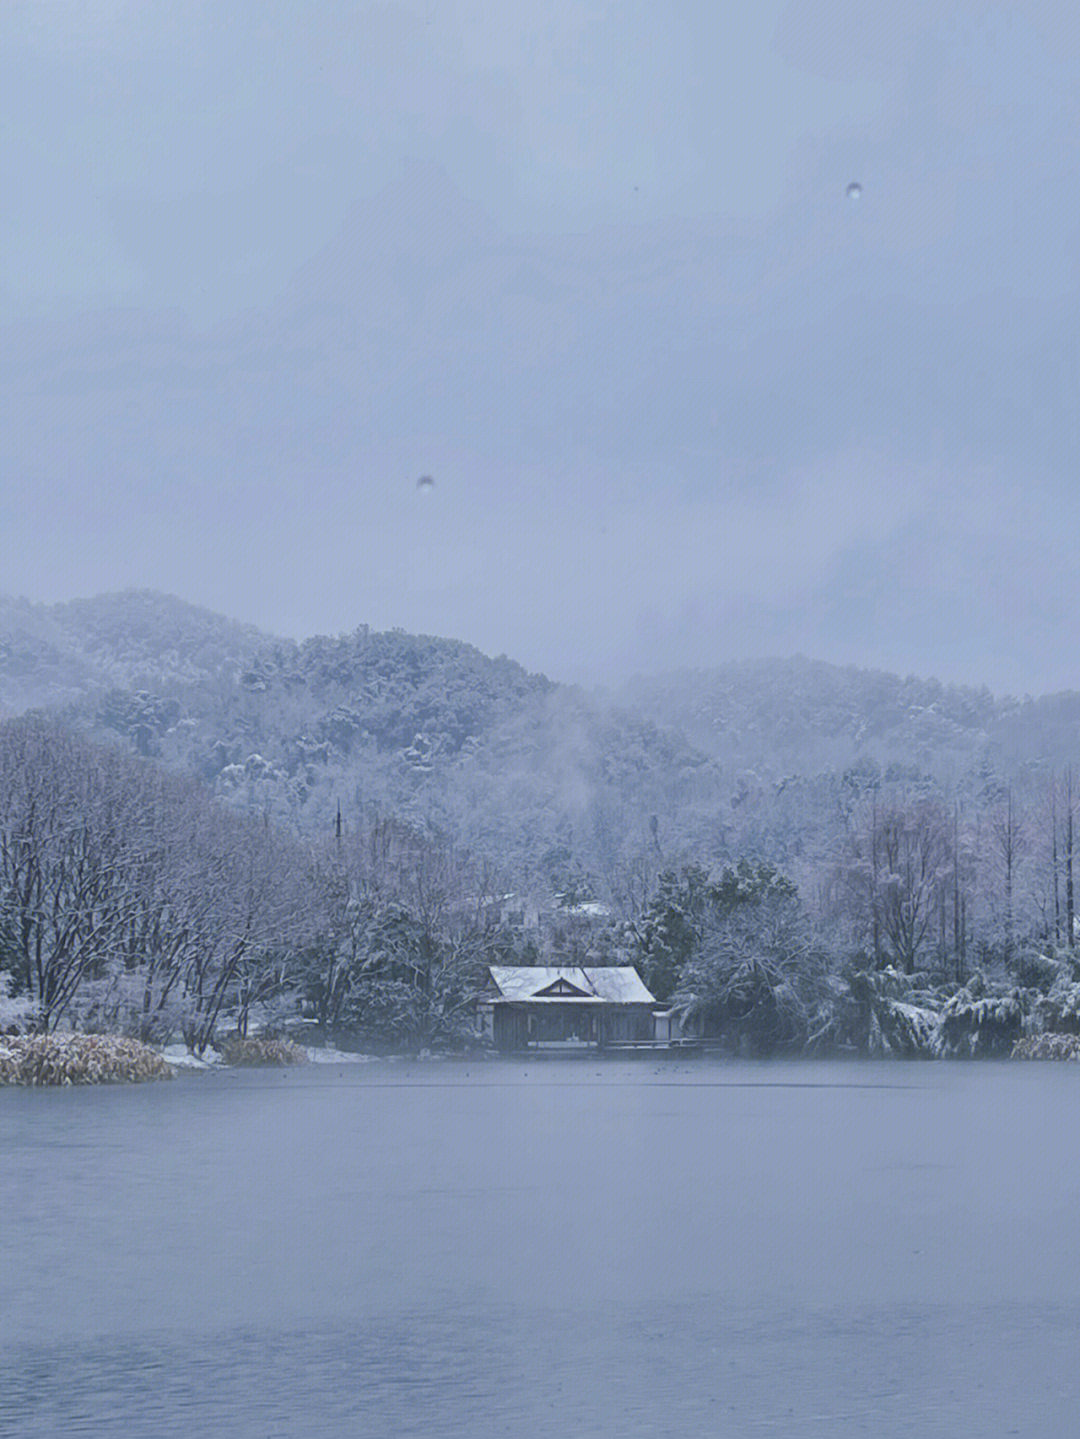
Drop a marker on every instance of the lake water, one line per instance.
(570, 1248)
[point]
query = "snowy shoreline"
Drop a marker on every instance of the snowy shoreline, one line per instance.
(179, 1057)
(69, 1058)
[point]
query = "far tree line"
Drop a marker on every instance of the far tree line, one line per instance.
(133, 901)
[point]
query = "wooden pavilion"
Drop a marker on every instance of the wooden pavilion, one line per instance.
(541, 1006)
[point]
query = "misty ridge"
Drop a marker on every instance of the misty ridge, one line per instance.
(199, 821)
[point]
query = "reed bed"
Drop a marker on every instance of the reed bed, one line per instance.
(257, 1049)
(62, 1059)
(1047, 1046)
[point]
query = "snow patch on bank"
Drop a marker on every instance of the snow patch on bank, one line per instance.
(179, 1056)
(336, 1056)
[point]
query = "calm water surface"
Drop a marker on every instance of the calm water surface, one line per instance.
(557, 1248)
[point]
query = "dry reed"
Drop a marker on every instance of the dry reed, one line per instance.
(257, 1049)
(40, 1059)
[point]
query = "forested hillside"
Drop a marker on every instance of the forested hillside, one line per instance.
(801, 716)
(532, 774)
(792, 853)
(752, 758)
(52, 655)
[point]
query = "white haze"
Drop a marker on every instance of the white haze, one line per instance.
(593, 269)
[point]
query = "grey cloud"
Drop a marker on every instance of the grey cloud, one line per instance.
(725, 411)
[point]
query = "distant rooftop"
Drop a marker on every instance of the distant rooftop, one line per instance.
(614, 984)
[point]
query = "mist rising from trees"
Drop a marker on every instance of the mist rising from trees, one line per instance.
(214, 822)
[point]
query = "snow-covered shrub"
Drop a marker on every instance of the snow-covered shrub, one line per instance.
(981, 1021)
(1059, 1011)
(1040, 971)
(17, 1012)
(906, 1030)
(889, 1013)
(757, 979)
(1047, 1046)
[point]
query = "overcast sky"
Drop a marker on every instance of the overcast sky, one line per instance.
(593, 268)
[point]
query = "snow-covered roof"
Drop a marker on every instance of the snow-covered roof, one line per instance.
(525, 982)
(617, 984)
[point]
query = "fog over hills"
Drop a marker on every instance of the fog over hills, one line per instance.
(60, 654)
(548, 779)
(427, 728)
(804, 714)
